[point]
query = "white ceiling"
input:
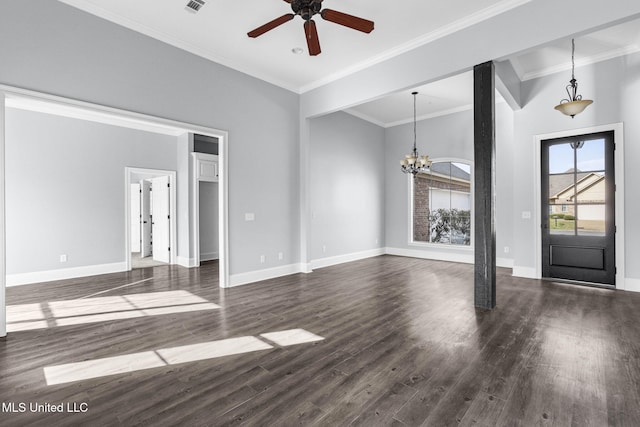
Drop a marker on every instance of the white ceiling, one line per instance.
(456, 93)
(218, 32)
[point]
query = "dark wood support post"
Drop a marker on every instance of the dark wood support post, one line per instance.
(484, 152)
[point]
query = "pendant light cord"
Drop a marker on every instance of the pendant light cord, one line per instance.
(414, 122)
(573, 62)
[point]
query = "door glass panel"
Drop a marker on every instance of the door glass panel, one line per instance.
(561, 189)
(591, 220)
(560, 158)
(590, 155)
(592, 188)
(562, 219)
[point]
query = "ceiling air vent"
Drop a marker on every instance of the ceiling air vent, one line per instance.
(194, 5)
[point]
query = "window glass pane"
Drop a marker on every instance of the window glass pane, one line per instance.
(591, 220)
(591, 188)
(561, 158)
(440, 226)
(562, 221)
(590, 155)
(561, 189)
(442, 204)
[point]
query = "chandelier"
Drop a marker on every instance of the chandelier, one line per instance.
(575, 104)
(414, 163)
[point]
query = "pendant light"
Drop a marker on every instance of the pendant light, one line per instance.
(413, 163)
(575, 104)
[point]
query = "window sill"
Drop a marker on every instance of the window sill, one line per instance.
(466, 248)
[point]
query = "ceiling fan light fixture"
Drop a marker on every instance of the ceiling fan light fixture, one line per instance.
(574, 104)
(307, 9)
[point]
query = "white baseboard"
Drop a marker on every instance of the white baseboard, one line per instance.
(64, 273)
(183, 261)
(306, 268)
(209, 256)
(525, 272)
(431, 254)
(631, 285)
(504, 262)
(266, 274)
(444, 256)
(341, 259)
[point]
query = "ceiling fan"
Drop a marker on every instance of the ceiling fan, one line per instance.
(306, 9)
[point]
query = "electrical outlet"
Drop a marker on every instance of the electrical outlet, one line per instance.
(324, 248)
(262, 259)
(376, 241)
(526, 215)
(63, 258)
(506, 249)
(249, 216)
(280, 256)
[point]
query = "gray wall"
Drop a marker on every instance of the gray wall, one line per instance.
(614, 86)
(347, 185)
(447, 137)
(65, 188)
(53, 48)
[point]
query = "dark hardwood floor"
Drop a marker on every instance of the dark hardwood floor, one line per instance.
(402, 345)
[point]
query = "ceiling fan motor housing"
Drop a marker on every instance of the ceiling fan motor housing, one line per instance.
(306, 8)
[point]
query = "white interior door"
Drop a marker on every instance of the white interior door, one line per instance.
(145, 212)
(136, 217)
(161, 225)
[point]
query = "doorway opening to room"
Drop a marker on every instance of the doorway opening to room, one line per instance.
(206, 209)
(578, 208)
(152, 218)
(50, 104)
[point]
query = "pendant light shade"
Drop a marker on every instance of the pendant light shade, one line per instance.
(574, 104)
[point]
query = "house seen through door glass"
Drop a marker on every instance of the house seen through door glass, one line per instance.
(578, 199)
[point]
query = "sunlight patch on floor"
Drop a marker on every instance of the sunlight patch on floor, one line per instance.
(101, 309)
(291, 337)
(98, 368)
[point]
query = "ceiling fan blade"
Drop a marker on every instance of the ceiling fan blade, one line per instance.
(270, 25)
(350, 21)
(313, 42)
(288, 1)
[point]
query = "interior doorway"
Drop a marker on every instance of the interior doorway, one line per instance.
(207, 225)
(151, 217)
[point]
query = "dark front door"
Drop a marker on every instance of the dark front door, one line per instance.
(578, 208)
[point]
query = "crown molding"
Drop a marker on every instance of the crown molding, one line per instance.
(365, 117)
(444, 31)
(458, 25)
(604, 56)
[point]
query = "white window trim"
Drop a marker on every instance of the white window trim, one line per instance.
(443, 246)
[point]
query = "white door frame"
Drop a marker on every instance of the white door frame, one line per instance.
(108, 113)
(3, 252)
(173, 235)
(618, 130)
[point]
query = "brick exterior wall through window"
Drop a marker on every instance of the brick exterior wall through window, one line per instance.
(421, 185)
